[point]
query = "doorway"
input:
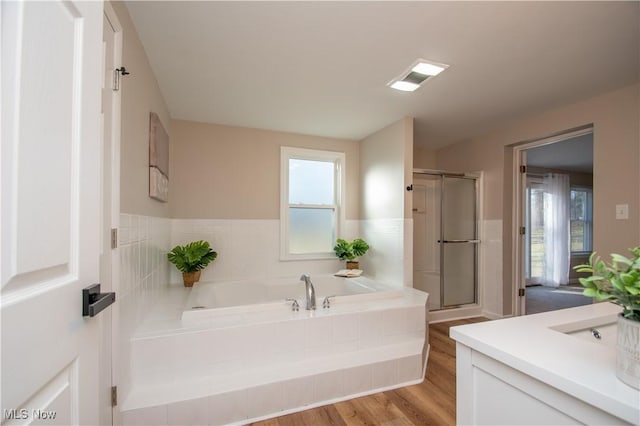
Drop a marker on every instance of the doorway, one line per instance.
(555, 220)
(445, 254)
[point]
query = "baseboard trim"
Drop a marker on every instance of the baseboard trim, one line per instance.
(493, 315)
(454, 314)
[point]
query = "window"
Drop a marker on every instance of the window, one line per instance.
(581, 220)
(534, 247)
(312, 194)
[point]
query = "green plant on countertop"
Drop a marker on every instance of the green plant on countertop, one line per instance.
(349, 251)
(192, 257)
(618, 281)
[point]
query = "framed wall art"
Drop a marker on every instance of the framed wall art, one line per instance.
(158, 160)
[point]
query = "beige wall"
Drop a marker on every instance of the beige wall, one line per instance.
(424, 158)
(616, 160)
(226, 172)
(383, 174)
(140, 96)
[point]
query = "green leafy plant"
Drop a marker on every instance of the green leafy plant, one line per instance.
(618, 281)
(192, 257)
(350, 250)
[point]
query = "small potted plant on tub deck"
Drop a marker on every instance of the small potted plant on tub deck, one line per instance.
(619, 282)
(349, 251)
(191, 259)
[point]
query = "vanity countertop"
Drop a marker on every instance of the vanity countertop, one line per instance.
(538, 346)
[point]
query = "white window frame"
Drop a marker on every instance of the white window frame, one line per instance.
(531, 181)
(339, 159)
(588, 190)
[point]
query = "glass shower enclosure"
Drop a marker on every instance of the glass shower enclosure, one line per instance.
(445, 253)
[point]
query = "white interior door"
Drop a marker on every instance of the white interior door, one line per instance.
(50, 224)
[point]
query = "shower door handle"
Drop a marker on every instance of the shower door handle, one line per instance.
(459, 241)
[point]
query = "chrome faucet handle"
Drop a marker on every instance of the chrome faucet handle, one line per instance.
(295, 307)
(326, 304)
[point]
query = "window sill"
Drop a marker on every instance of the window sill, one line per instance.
(314, 256)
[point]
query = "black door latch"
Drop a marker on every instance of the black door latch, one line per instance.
(93, 302)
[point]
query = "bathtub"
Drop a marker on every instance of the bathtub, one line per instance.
(212, 299)
(241, 354)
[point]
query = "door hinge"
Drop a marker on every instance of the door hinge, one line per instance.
(523, 169)
(117, 74)
(116, 80)
(521, 292)
(523, 230)
(114, 238)
(114, 396)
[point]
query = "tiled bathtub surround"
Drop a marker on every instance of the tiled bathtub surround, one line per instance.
(390, 257)
(175, 372)
(247, 249)
(272, 362)
(144, 272)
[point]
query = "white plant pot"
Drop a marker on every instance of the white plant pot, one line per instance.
(628, 352)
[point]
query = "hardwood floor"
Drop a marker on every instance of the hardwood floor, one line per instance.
(432, 402)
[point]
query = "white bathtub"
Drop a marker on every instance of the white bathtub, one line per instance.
(225, 298)
(245, 355)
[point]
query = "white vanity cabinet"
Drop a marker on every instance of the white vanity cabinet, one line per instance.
(531, 370)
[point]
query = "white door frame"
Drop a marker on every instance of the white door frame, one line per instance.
(114, 220)
(518, 210)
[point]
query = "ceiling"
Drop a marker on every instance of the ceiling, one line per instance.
(573, 155)
(321, 68)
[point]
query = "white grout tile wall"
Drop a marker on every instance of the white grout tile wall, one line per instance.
(390, 256)
(260, 402)
(247, 249)
(262, 368)
(144, 270)
(407, 253)
(490, 268)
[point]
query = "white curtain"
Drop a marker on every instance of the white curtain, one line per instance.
(557, 252)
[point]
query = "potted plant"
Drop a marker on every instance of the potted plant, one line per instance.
(349, 251)
(619, 282)
(190, 259)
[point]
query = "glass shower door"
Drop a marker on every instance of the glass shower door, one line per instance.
(459, 241)
(427, 232)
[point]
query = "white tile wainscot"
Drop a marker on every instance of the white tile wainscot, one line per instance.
(143, 243)
(266, 363)
(248, 249)
(528, 370)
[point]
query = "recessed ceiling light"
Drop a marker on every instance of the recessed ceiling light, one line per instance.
(428, 68)
(414, 76)
(405, 86)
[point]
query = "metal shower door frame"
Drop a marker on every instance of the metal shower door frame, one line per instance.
(475, 241)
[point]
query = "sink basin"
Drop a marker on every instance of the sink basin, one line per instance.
(600, 330)
(604, 334)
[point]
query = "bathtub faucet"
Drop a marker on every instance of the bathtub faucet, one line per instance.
(310, 291)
